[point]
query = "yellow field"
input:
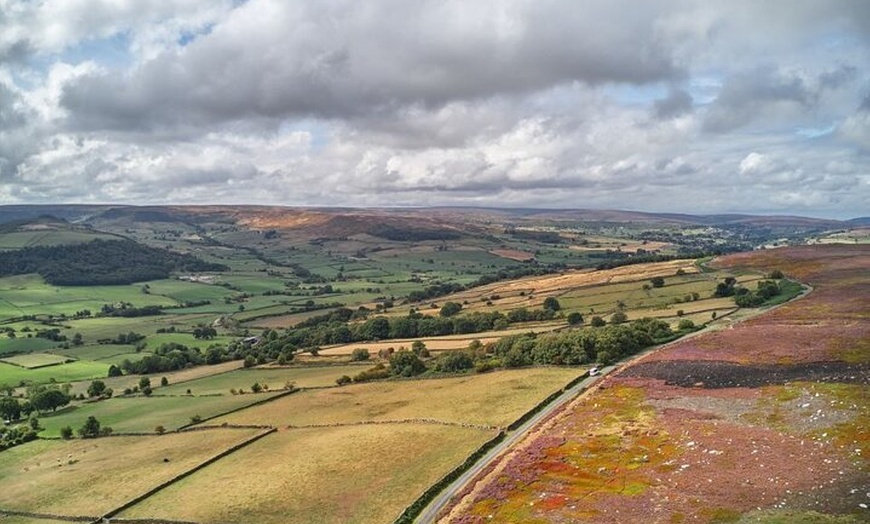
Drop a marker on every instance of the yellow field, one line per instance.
(91, 477)
(491, 399)
(444, 343)
(344, 475)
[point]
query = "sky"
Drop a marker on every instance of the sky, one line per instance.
(649, 105)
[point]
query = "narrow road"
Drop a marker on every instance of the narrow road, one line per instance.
(431, 512)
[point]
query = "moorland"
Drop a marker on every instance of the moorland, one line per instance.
(334, 364)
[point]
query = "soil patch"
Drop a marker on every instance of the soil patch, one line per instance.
(715, 375)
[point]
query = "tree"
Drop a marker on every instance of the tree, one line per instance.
(359, 355)
(406, 364)
(453, 361)
(342, 380)
(450, 308)
(550, 303)
(97, 388)
(164, 381)
(159, 430)
(256, 387)
(618, 318)
(66, 432)
(115, 371)
(597, 322)
(575, 318)
(91, 428)
(77, 339)
(144, 382)
(204, 333)
(685, 325)
(776, 274)
(49, 399)
(10, 409)
(419, 348)
(657, 282)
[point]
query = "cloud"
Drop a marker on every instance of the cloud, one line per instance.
(657, 105)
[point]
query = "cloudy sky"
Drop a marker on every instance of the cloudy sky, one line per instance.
(655, 105)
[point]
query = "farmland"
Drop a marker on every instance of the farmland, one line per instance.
(340, 449)
(108, 472)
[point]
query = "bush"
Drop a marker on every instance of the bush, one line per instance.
(657, 282)
(343, 380)
(597, 322)
(574, 318)
(66, 432)
(685, 325)
(360, 355)
(618, 318)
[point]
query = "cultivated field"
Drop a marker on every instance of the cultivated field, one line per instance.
(92, 477)
(342, 475)
(491, 399)
(35, 360)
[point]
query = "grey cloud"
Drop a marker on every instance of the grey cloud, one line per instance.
(677, 103)
(745, 98)
(342, 59)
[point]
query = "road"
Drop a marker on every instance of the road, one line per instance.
(430, 513)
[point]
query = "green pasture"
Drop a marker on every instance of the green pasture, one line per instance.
(95, 352)
(69, 372)
(29, 295)
(35, 360)
(184, 291)
(143, 414)
(23, 344)
(275, 378)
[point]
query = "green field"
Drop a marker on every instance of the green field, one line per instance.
(69, 372)
(30, 295)
(35, 360)
(24, 345)
(97, 352)
(143, 414)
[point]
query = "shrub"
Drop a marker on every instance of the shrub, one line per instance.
(343, 380)
(359, 355)
(574, 318)
(66, 432)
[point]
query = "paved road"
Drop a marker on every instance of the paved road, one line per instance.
(428, 515)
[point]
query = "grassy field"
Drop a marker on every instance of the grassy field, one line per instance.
(143, 414)
(69, 372)
(24, 345)
(492, 399)
(30, 295)
(174, 377)
(35, 360)
(275, 378)
(345, 475)
(97, 352)
(91, 477)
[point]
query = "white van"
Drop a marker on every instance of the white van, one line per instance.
(594, 371)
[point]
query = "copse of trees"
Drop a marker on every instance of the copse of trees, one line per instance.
(100, 262)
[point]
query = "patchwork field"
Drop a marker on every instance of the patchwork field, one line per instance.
(92, 477)
(765, 422)
(69, 372)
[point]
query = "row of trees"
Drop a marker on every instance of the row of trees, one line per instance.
(572, 347)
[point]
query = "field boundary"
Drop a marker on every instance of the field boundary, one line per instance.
(107, 517)
(281, 394)
(415, 508)
(45, 516)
